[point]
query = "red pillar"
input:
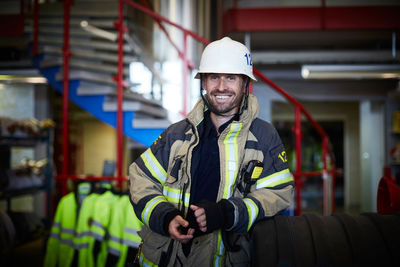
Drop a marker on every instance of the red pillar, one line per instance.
(65, 123)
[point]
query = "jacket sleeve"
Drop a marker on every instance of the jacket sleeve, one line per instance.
(147, 177)
(273, 189)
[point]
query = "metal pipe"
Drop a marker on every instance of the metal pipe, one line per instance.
(35, 27)
(91, 178)
(119, 91)
(185, 75)
(65, 130)
(293, 100)
(333, 175)
(21, 7)
(297, 132)
(247, 42)
(299, 108)
(146, 4)
(159, 17)
(394, 44)
(322, 17)
(325, 176)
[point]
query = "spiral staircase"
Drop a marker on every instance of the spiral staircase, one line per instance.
(93, 65)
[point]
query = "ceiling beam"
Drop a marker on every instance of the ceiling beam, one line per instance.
(323, 56)
(312, 18)
(12, 25)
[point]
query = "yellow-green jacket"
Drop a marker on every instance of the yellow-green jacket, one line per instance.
(60, 245)
(123, 231)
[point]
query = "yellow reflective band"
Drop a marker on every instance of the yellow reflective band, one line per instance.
(252, 210)
(174, 195)
(231, 158)
(256, 172)
(275, 179)
(220, 251)
(154, 166)
(145, 262)
(148, 209)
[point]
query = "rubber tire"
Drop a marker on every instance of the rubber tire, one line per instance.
(265, 250)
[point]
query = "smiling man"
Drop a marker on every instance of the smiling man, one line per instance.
(207, 179)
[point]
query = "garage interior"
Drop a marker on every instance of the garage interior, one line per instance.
(338, 59)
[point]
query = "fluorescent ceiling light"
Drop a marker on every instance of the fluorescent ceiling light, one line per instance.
(22, 79)
(350, 71)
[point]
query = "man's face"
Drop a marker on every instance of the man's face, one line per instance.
(224, 92)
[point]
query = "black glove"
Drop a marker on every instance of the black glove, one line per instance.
(218, 215)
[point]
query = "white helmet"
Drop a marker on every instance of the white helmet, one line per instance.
(226, 56)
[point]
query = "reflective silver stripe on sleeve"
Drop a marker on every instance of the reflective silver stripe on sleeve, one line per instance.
(275, 179)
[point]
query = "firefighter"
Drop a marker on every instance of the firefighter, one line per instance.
(193, 188)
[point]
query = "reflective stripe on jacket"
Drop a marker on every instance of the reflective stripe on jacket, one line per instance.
(161, 178)
(83, 237)
(101, 219)
(123, 230)
(60, 246)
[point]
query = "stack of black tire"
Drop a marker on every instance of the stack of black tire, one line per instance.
(368, 239)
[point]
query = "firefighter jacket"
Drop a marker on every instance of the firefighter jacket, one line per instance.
(161, 179)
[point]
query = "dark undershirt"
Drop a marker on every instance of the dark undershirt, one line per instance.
(206, 179)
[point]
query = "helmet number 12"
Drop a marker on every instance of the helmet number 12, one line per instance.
(248, 59)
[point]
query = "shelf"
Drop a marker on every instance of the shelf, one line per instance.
(26, 140)
(6, 194)
(21, 141)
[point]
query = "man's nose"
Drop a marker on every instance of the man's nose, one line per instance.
(221, 84)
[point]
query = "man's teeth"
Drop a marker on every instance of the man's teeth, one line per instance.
(222, 96)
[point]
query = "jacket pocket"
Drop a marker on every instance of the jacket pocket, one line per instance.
(153, 245)
(173, 175)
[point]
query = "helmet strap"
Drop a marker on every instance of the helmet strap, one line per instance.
(246, 98)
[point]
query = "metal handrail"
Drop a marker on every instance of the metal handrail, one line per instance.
(299, 109)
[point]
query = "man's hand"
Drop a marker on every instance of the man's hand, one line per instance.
(200, 215)
(174, 230)
(211, 216)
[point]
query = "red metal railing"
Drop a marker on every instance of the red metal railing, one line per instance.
(35, 27)
(299, 109)
(65, 106)
(65, 175)
(297, 130)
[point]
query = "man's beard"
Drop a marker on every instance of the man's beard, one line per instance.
(225, 108)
